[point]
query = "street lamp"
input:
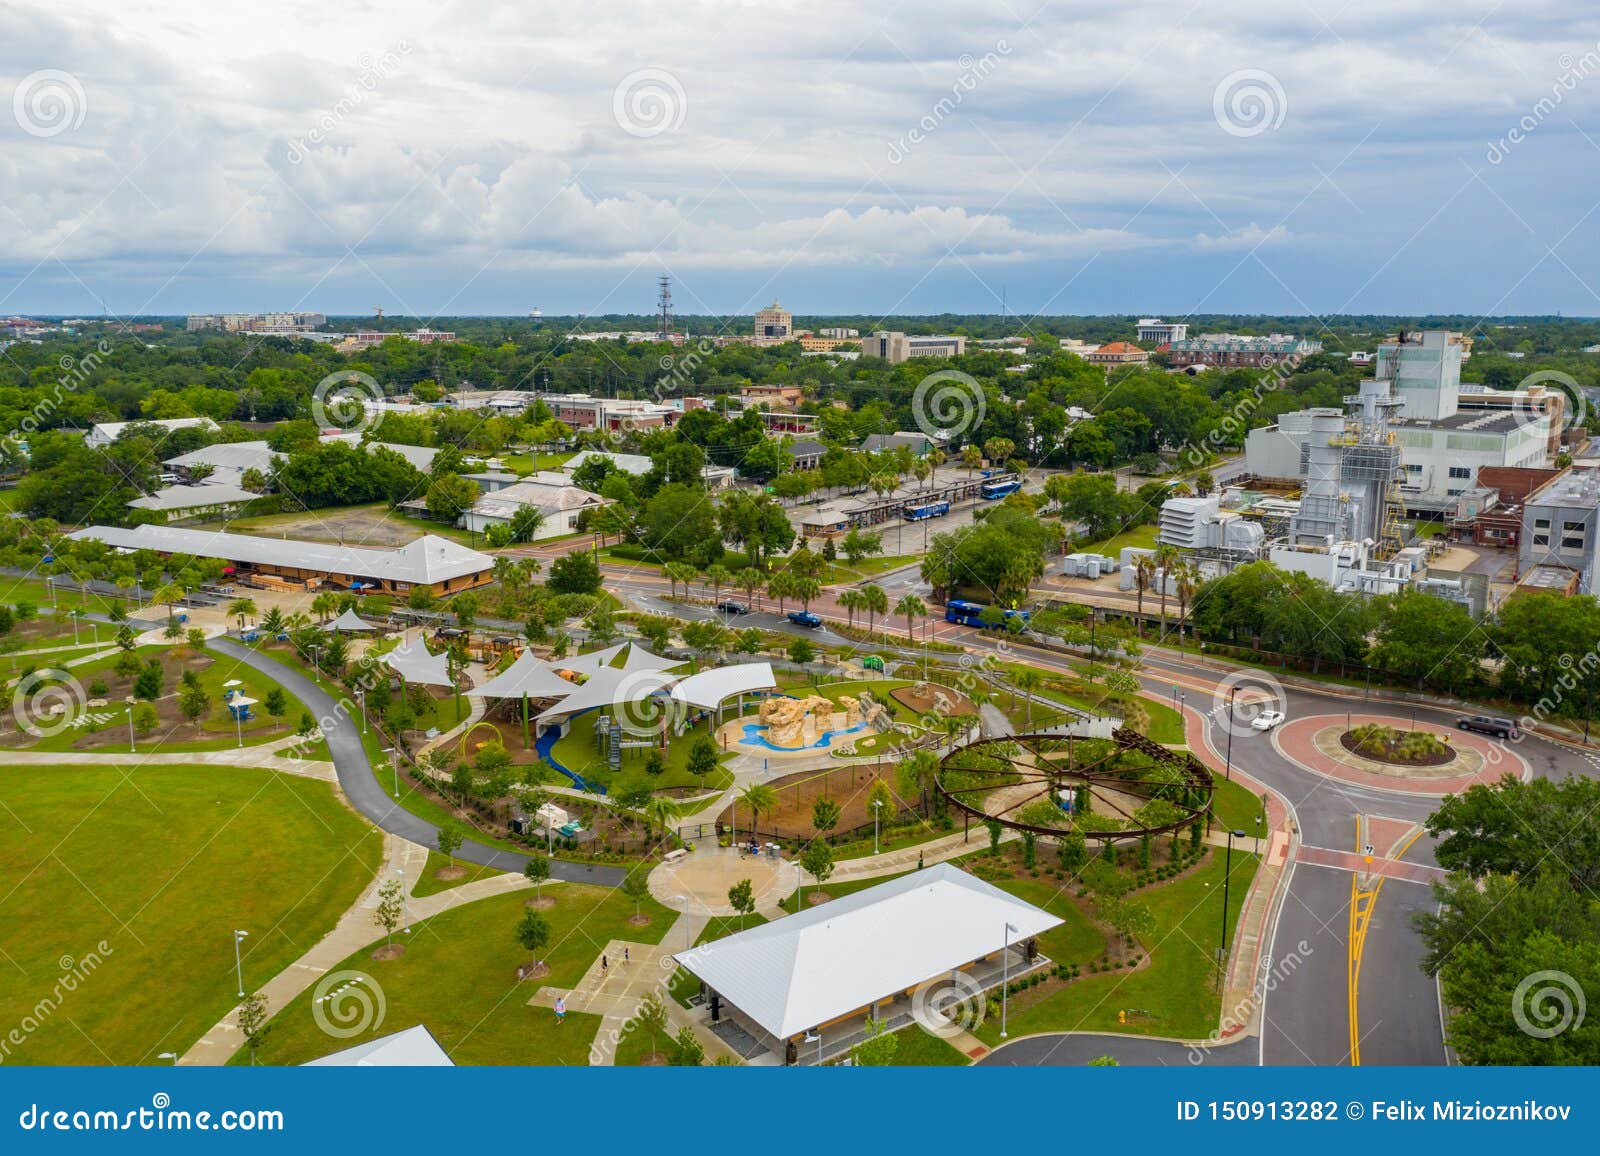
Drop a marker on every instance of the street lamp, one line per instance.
(129, 710)
(1005, 976)
(173, 1056)
(1227, 765)
(238, 718)
(238, 963)
(1227, 872)
(316, 669)
(396, 764)
(877, 808)
(361, 697)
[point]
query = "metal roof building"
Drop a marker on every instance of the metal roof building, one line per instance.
(436, 563)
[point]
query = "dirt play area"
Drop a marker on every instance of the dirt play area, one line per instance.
(847, 786)
(931, 698)
(374, 527)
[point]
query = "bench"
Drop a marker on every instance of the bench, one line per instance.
(674, 856)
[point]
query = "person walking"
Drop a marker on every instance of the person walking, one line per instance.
(604, 965)
(561, 1010)
(625, 956)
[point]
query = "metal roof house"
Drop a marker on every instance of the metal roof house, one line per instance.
(438, 564)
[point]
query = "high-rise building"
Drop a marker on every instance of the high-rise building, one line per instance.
(774, 324)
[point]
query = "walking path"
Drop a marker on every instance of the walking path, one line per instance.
(356, 929)
(262, 755)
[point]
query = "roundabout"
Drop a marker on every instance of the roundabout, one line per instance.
(1330, 745)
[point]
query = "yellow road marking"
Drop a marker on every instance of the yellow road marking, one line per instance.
(1362, 903)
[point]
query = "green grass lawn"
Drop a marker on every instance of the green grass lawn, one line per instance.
(836, 889)
(1174, 993)
(215, 722)
(430, 883)
(458, 977)
(530, 463)
(922, 1049)
(36, 591)
(1143, 537)
(1237, 808)
(161, 864)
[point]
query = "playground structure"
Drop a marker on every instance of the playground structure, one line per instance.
(802, 724)
(467, 741)
(1052, 785)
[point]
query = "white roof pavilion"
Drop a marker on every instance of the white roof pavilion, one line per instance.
(809, 969)
(350, 623)
(711, 688)
(413, 662)
(529, 676)
(412, 1048)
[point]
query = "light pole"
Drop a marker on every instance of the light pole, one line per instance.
(1258, 835)
(1227, 765)
(1227, 872)
(1174, 696)
(173, 1056)
(316, 669)
(396, 764)
(238, 719)
(50, 581)
(877, 807)
(131, 750)
(1005, 975)
(405, 900)
(361, 697)
(238, 962)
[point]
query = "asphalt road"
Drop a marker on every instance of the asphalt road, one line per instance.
(1075, 1051)
(360, 784)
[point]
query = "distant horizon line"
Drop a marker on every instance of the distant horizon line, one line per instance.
(1031, 318)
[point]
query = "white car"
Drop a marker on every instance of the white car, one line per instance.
(1266, 720)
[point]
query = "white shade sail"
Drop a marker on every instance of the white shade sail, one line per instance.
(413, 662)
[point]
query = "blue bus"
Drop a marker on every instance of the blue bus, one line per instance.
(992, 491)
(917, 512)
(964, 613)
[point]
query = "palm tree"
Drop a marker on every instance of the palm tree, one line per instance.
(805, 589)
(323, 605)
(1166, 557)
(972, 458)
(875, 601)
(851, 601)
(1184, 575)
(719, 576)
(662, 812)
(241, 608)
(781, 586)
(1027, 680)
(680, 572)
(503, 567)
(758, 797)
(750, 580)
(912, 607)
(273, 621)
(1144, 569)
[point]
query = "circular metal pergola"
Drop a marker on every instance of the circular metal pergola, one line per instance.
(1134, 788)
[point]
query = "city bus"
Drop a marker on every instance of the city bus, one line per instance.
(919, 511)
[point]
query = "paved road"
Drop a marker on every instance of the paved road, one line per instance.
(368, 796)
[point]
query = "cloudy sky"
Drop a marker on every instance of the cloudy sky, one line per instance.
(447, 157)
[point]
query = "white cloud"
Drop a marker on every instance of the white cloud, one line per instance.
(1251, 236)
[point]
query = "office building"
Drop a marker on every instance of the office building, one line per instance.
(898, 347)
(1154, 331)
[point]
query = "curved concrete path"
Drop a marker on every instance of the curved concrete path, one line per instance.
(360, 784)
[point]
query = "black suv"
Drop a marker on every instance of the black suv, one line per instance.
(733, 608)
(1489, 725)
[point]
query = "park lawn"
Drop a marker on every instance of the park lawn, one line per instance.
(1174, 992)
(576, 751)
(893, 837)
(837, 889)
(919, 1048)
(430, 883)
(1237, 808)
(151, 869)
(845, 572)
(36, 591)
(1166, 724)
(458, 978)
(216, 721)
(1142, 537)
(530, 463)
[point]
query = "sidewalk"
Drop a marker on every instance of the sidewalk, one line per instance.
(356, 929)
(263, 756)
